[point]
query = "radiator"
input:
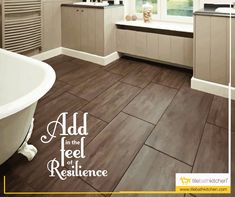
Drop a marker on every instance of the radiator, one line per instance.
(21, 25)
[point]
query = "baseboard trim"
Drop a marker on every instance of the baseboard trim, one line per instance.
(212, 88)
(78, 54)
(91, 57)
(48, 54)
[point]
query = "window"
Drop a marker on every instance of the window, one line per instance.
(139, 4)
(170, 10)
(180, 7)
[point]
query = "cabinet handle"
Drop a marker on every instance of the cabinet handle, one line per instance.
(77, 10)
(82, 10)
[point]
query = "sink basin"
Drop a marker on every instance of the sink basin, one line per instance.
(105, 3)
(226, 10)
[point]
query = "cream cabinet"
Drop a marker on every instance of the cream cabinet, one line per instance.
(126, 41)
(152, 46)
(212, 49)
(90, 30)
(166, 48)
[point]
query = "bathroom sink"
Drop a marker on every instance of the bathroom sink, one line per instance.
(225, 10)
(105, 3)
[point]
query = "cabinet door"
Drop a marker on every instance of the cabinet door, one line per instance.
(177, 50)
(99, 33)
(164, 48)
(84, 29)
(140, 44)
(71, 28)
(219, 50)
(126, 41)
(152, 46)
(91, 31)
(202, 47)
(188, 52)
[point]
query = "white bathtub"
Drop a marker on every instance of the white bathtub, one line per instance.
(23, 81)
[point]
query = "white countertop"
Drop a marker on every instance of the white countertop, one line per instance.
(181, 27)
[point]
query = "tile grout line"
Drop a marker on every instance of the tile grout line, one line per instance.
(131, 162)
(138, 118)
(168, 155)
(218, 126)
(203, 132)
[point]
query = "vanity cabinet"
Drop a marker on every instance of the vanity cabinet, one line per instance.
(161, 47)
(211, 49)
(90, 30)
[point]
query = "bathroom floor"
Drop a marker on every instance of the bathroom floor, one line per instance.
(145, 124)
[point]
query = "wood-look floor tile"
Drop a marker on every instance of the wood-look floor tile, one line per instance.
(179, 131)
(50, 111)
(107, 105)
(233, 174)
(114, 149)
(82, 73)
(124, 66)
(219, 113)
(94, 127)
(79, 62)
(151, 103)
(152, 171)
(58, 88)
(171, 78)
(58, 59)
(36, 177)
(70, 185)
(64, 68)
(95, 85)
(212, 156)
(143, 77)
(15, 184)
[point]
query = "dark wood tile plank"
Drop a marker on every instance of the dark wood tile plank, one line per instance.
(233, 174)
(95, 85)
(58, 59)
(41, 182)
(94, 127)
(39, 179)
(212, 156)
(219, 113)
(114, 149)
(171, 78)
(179, 131)
(151, 103)
(64, 68)
(82, 73)
(83, 62)
(70, 185)
(152, 171)
(143, 77)
(107, 105)
(58, 88)
(50, 111)
(124, 66)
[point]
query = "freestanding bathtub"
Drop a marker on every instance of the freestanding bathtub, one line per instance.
(23, 81)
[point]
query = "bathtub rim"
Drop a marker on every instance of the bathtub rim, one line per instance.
(38, 92)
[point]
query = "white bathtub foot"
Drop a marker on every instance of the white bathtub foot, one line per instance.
(29, 151)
